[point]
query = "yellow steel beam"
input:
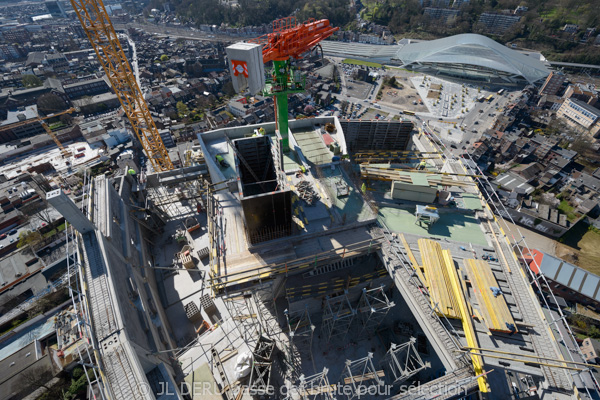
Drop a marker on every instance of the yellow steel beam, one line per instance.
(99, 29)
(467, 322)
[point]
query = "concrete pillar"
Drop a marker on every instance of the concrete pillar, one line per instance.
(74, 216)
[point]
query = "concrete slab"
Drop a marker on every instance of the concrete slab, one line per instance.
(458, 227)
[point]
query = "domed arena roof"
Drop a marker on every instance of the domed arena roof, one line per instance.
(473, 50)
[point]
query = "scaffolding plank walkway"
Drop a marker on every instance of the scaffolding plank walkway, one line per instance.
(529, 307)
(494, 308)
(437, 273)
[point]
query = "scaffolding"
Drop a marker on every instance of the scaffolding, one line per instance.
(262, 359)
(242, 310)
(372, 309)
(301, 328)
(402, 362)
(316, 387)
(360, 375)
(338, 315)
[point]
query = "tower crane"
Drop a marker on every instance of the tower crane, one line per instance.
(288, 40)
(64, 152)
(101, 33)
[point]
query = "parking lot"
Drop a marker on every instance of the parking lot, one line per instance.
(373, 113)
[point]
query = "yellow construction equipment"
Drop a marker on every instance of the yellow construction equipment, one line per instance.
(101, 33)
(63, 151)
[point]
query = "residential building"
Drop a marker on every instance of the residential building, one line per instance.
(572, 283)
(579, 115)
(31, 127)
(498, 23)
(582, 93)
(590, 349)
(56, 9)
(88, 86)
(445, 15)
(553, 83)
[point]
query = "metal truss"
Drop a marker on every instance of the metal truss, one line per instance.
(103, 38)
(338, 315)
(360, 375)
(260, 377)
(372, 309)
(402, 362)
(301, 329)
(316, 387)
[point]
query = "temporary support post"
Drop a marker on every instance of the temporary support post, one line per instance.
(360, 375)
(316, 387)
(402, 362)
(372, 309)
(337, 316)
(301, 328)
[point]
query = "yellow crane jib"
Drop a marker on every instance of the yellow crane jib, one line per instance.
(101, 33)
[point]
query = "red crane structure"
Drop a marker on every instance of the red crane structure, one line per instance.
(289, 40)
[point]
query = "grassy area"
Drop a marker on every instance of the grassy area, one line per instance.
(360, 62)
(567, 209)
(60, 228)
(589, 256)
(581, 246)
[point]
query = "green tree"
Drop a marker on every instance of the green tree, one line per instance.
(182, 109)
(164, 58)
(30, 81)
(29, 238)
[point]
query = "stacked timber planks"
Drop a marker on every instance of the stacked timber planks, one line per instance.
(413, 261)
(494, 310)
(439, 266)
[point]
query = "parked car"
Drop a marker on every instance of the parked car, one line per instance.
(3, 236)
(13, 232)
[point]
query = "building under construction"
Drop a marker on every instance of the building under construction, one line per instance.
(312, 274)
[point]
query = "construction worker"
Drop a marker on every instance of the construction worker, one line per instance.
(221, 160)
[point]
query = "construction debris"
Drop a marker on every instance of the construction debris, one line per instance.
(306, 192)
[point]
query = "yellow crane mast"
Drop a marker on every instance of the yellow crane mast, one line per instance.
(101, 33)
(63, 151)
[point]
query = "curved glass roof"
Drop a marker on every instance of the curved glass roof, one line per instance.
(475, 50)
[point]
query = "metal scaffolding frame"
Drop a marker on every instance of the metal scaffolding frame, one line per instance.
(301, 329)
(360, 374)
(373, 306)
(316, 387)
(402, 362)
(243, 310)
(338, 315)
(260, 377)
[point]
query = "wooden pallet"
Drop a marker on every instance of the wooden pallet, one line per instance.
(494, 310)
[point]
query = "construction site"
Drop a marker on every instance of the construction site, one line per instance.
(304, 259)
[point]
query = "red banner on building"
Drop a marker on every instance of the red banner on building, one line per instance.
(239, 67)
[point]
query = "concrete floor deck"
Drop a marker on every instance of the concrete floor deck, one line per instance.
(312, 146)
(459, 227)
